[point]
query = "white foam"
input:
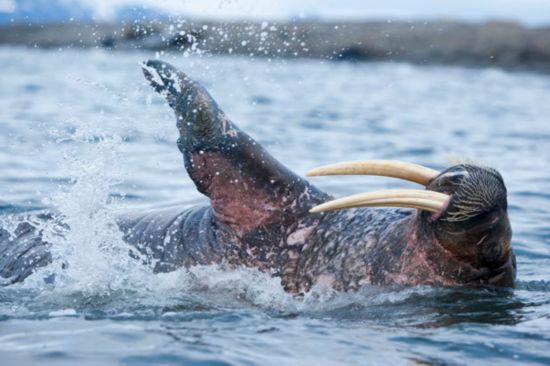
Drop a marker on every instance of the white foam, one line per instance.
(63, 312)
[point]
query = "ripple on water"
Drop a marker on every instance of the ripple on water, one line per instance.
(97, 124)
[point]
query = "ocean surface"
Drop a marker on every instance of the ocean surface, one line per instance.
(81, 132)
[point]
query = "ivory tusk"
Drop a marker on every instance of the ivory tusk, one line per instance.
(388, 168)
(410, 198)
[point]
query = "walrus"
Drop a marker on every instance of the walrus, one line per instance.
(455, 232)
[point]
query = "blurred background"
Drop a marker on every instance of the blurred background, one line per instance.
(503, 33)
(531, 12)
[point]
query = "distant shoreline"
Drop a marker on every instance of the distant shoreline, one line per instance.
(506, 45)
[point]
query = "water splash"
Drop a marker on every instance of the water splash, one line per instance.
(88, 252)
(91, 262)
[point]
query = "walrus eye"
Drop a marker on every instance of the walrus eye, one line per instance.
(412, 198)
(449, 181)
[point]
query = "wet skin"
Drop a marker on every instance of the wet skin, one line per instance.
(259, 216)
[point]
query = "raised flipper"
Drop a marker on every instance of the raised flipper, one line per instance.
(249, 189)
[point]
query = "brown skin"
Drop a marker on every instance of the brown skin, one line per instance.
(259, 217)
(270, 227)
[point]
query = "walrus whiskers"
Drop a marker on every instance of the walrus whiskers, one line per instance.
(408, 198)
(387, 168)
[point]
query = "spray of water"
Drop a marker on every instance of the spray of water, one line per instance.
(88, 253)
(91, 261)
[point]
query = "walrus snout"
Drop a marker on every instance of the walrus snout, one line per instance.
(475, 191)
(455, 194)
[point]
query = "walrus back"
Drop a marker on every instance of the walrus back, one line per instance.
(22, 251)
(172, 238)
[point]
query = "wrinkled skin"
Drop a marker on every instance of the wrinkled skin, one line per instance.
(259, 217)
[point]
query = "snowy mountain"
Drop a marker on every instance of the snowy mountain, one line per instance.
(57, 11)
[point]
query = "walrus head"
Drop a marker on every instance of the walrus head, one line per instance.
(474, 223)
(463, 208)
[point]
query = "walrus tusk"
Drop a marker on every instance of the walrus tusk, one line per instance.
(410, 198)
(388, 168)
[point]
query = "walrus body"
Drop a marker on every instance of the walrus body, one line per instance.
(260, 217)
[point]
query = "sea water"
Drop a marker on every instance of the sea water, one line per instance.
(83, 134)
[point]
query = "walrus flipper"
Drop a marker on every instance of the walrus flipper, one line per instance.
(249, 189)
